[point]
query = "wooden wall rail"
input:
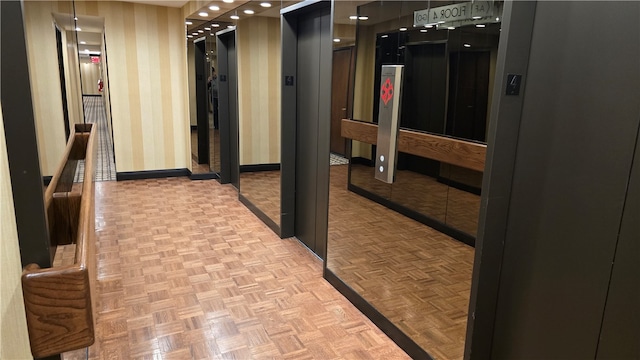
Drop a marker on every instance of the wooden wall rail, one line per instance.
(456, 152)
(58, 300)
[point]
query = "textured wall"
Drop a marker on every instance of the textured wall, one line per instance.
(147, 73)
(90, 75)
(259, 68)
(14, 339)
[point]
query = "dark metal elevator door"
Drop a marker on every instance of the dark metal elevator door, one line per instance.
(313, 29)
(233, 112)
(228, 108)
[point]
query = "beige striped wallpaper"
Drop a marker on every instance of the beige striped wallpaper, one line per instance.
(106, 88)
(14, 338)
(259, 68)
(74, 96)
(90, 74)
(147, 73)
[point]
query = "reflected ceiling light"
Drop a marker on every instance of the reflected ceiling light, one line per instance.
(353, 17)
(188, 23)
(194, 34)
(235, 17)
(215, 25)
(214, 8)
(201, 31)
(480, 25)
(363, 18)
(336, 40)
(451, 28)
(203, 14)
(265, 4)
(477, 17)
(83, 42)
(75, 18)
(78, 29)
(384, 36)
(231, 27)
(249, 12)
(441, 22)
(429, 26)
(403, 29)
(467, 45)
(189, 36)
(208, 28)
(423, 30)
(497, 19)
(227, 1)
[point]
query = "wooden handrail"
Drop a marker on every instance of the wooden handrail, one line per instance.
(58, 300)
(462, 153)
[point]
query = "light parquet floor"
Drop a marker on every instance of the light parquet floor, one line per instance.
(185, 271)
(417, 277)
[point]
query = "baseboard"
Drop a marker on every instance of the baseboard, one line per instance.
(203, 176)
(46, 180)
(259, 167)
(151, 174)
(393, 332)
(361, 161)
(422, 218)
(194, 127)
(459, 185)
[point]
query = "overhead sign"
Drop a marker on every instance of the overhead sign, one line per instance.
(455, 12)
(95, 59)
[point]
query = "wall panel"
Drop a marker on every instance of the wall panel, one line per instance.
(259, 62)
(90, 74)
(14, 339)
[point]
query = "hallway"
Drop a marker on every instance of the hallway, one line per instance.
(95, 113)
(185, 271)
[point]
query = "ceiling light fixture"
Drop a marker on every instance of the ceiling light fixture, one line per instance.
(215, 25)
(75, 18)
(82, 42)
(353, 17)
(384, 36)
(208, 28)
(78, 29)
(403, 29)
(477, 17)
(188, 23)
(214, 8)
(480, 25)
(201, 31)
(497, 19)
(235, 17)
(265, 4)
(336, 40)
(194, 34)
(227, 1)
(189, 36)
(423, 30)
(231, 27)
(363, 18)
(467, 45)
(249, 12)
(451, 28)
(203, 14)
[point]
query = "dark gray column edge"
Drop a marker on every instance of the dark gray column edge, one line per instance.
(506, 113)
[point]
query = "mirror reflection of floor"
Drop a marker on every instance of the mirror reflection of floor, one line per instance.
(262, 188)
(417, 277)
(214, 152)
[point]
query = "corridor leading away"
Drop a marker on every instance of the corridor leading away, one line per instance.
(185, 271)
(94, 112)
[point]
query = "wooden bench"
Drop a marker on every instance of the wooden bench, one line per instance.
(58, 300)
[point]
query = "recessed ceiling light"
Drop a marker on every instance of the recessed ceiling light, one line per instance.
(203, 14)
(423, 30)
(451, 28)
(201, 31)
(208, 28)
(214, 8)
(75, 18)
(188, 23)
(384, 36)
(429, 26)
(466, 45)
(336, 40)
(215, 25)
(403, 29)
(86, 50)
(363, 18)
(227, 1)
(265, 4)
(249, 12)
(480, 25)
(497, 19)
(440, 22)
(230, 27)
(78, 29)
(189, 36)
(353, 17)
(83, 42)
(235, 17)
(477, 17)
(195, 33)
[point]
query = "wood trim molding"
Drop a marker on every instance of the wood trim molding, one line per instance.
(461, 153)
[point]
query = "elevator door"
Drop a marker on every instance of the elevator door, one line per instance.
(312, 130)
(228, 107)
(201, 102)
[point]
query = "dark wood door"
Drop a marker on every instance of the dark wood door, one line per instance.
(341, 95)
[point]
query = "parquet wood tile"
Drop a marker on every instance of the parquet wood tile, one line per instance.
(262, 188)
(415, 276)
(185, 271)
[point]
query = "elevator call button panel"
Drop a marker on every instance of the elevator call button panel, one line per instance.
(388, 122)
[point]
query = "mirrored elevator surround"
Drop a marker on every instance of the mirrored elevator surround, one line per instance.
(415, 278)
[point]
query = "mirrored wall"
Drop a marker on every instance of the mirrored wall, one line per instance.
(404, 249)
